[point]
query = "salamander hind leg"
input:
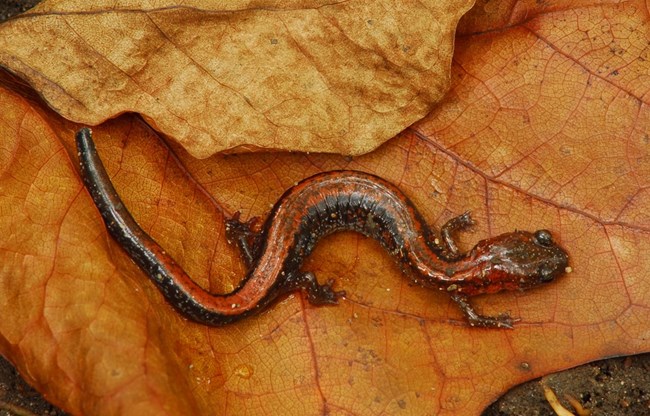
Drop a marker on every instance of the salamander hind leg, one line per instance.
(460, 223)
(246, 235)
(475, 319)
(317, 294)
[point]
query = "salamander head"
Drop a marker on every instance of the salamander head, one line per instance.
(519, 260)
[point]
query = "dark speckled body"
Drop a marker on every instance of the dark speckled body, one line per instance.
(317, 206)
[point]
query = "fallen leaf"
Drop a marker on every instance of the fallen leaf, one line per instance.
(302, 75)
(540, 130)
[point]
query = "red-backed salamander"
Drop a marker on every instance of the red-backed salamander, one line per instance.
(315, 207)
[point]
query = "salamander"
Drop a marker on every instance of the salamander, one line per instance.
(273, 251)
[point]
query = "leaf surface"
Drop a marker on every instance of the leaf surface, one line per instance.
(301, 75)
(546, 126)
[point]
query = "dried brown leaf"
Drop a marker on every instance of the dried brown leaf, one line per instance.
(302, 75)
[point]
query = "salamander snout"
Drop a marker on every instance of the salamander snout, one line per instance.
(556, 260)
(545, 259)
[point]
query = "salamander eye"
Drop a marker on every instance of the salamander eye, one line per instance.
(546, 274)
(543, 238)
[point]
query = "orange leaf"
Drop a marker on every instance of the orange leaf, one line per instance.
(546, 126)
(301, 75)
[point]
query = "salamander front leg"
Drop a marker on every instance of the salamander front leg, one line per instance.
(247, 236)
(475, 319)
(459, 223)
(317, 294)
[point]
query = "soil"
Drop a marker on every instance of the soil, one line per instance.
(617, 386)
(17, 398)
(11, 8)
